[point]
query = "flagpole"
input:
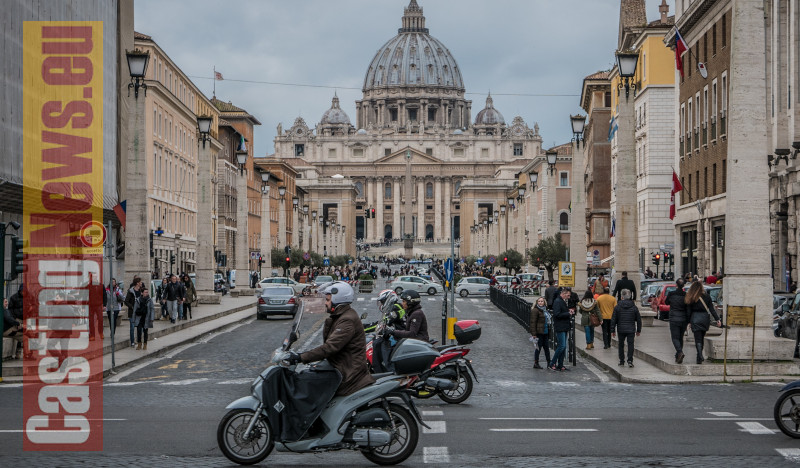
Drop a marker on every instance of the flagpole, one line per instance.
(214, 79)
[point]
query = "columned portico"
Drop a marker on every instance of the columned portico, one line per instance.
(397, 232)
(437, 209)
(448, 182)
(420, 208)
(378, 221)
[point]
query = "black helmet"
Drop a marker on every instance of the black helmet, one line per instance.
(410, 296)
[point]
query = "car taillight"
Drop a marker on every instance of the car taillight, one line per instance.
(261, 300)
(290, 301)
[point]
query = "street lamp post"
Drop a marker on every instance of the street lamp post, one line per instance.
(533, 207)
(295, 222)
(306, 230)
(242, 249)
(266, 222)
(205, 204)
(577, 222)
(282, 217)
(552, 158)
(313, 233)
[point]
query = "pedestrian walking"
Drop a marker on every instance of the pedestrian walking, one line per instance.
(540, 328)
(699, 306)
(599, 284)
(131, 299)
(161, 297)
(114, 300)
(189, 297)
(174, 295)
(678, 318)
(551, 293)
(606, 302)
(588, 308)
(145, 314)
(562, 318)
(627, 321)
(624, 283)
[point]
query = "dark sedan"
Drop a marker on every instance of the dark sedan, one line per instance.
(277, 300)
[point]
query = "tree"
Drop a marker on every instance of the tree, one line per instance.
(278, 258)
(470, 260)
(514, 259)
(548, 253)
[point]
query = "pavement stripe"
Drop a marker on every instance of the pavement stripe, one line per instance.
(435, 455)
(433, 413)
(185, 382)
(755, 428)
(432, 299)
(543, 430)
(721, 414)
(126, 384)
(360, 299)
(236, 381)
(733, 419)
(474, 300)
(565, 384)
(10, 385)
(790, 454)
(540, 419)
(436, 427)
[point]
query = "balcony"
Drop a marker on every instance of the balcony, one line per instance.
(680, 150)
(713, 129)
(722, 124)
(705, 134)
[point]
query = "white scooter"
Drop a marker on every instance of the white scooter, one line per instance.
(296, 411)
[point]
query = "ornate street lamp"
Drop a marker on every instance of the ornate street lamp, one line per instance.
(503, 208)
(305, 210)
(265, 181)
(314, 215)
(241, 159)
(521, 193)
(627, 61)
(204, 127)
(137, 67)
(533, 176)
(578, 124)
(295, 203)
(282, 191)
(552, 157)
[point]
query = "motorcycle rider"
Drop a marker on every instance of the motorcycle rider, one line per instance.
(393, 316)
(416, 324)
(344, 343)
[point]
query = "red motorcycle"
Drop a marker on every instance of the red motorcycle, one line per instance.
(451, 374)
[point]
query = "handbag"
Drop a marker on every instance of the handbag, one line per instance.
(595, 320)
(701, 321)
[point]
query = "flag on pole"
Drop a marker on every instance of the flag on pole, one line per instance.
(120, 211)
(242, 144)
(680, 48)
(676, 187)
(218, 76)
(612, 128)
(570, 206)
(613, 226)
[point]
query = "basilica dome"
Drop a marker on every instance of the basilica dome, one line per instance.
(413, 58)
(489, 115)
(335, 115)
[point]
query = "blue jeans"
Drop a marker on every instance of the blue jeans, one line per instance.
(561, 350)
(589, 334)
(131, 321)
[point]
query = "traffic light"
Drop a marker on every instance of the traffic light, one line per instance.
(656, 259)
(372, 212)
(260, 260)
(366, 212)
(288, 262)
(666, 258)
(505, 261)
(151, 242)
(17, 245)
(172, 259)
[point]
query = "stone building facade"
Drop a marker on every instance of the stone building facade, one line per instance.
(414, 145)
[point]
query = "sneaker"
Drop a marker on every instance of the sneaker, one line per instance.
(563, 369)
(537, 366)
(133, 344)
(630, 363)
(679, 358)
(621, 363)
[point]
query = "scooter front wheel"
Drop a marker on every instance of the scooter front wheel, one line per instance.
(237, 448)
(462, 391)
(405, 436)
(787, 413)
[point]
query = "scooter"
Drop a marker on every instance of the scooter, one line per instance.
(296, 411)
(787, 410)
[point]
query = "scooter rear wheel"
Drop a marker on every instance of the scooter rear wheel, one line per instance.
(238, 449)
(462, 391)
(787, 413)
(404, 439)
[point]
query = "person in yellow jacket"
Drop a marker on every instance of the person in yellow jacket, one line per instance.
(606, 302)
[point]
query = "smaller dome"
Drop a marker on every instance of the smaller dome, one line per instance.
(489, 115)
(458, 132)
(361, 131)
(335, 115)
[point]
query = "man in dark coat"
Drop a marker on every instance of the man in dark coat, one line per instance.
(551, 293)
(561, 325)
(627, 321)
(15, 304)
(678, 318)
(625, 283)
(416, 324)
(344, 342)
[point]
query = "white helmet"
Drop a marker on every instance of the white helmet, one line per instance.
(341, 293)
(386, 294)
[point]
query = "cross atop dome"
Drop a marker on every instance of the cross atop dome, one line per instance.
(413, 19)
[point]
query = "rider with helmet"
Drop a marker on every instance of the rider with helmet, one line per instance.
(416, 323)
(344, 342)
(394, 318)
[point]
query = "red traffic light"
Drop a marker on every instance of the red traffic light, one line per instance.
(288, 259)
(658, 256)
(505, 259)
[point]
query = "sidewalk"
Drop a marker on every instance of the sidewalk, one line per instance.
(164, 336)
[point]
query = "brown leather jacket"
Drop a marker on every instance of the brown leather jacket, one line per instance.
(345, 349)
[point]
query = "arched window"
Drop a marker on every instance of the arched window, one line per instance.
(359, 189)
(429, 232)
(458, 186)
(387, 191)
(429, 190)
(387, 232)
(563, 221)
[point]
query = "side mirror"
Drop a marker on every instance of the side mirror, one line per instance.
(363, 316)
(293, 337)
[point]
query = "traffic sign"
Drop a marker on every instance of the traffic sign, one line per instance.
(93, 234)
(448, 268)
(566, 274)
(479, 261)
(326, 261)
(492, 259)
(306, 256)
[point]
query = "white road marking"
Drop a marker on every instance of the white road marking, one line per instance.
(540, 419)
(596, 371)
(733, 419)
(10, 385)
(754, 428)
(128, 384)
(360, 299)
(721, 414)
(432, 299)
(543, 430)
(433, 413)
(185, 382)
(790, 454)
(474, 300)
(565, 384)
(236, 381)
(509, 383)
(435, 455)
(436, 427)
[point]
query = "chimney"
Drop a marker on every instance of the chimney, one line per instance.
(664, 10)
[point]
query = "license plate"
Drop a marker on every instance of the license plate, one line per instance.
(275, 301)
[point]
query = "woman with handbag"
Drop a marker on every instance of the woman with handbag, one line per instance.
(699, 306)
(540, 328)
(590, 317)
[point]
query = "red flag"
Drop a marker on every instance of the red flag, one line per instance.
(121, 211)
(680, 48)
(676, 187)
(218, 76)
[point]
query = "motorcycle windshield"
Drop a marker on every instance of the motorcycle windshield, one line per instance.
(294, 332)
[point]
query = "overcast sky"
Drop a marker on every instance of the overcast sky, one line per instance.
(502, 46)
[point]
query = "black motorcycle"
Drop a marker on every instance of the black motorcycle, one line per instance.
(787, 410)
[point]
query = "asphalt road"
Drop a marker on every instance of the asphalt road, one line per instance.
(165, 413)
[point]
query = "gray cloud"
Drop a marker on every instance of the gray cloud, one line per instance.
(506, 46)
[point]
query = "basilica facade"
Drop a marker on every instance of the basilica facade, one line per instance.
(413, 162)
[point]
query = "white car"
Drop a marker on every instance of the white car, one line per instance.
(474, 285)
(416, 283)
(282, 281)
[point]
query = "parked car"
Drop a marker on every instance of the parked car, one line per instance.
(417, 284)
(322, 279)
(658, 300)
(782, 303)
(649, 290)
(503, 280)
(473, 285)
(527, 277)
(281, 281)
(276, 300)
